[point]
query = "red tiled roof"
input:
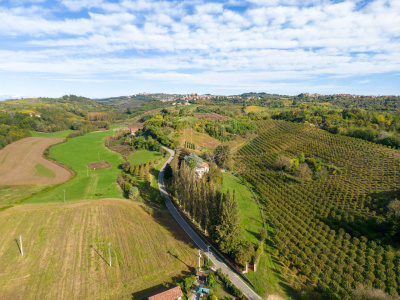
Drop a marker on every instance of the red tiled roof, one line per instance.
(203, 164)
(171, 294)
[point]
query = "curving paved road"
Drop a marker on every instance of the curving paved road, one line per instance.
(198, 240)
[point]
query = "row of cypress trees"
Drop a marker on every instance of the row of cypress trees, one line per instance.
(215, 212)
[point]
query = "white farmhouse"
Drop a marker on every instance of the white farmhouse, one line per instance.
(201, 168)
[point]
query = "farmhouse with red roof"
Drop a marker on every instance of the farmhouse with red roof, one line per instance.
(174, 293)
(134, 130)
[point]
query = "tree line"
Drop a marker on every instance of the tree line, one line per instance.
(216, 213)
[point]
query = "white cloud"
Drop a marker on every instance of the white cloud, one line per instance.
(163, 40)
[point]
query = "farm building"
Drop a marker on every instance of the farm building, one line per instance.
(201, 168)
(33, 114)
(202, 277)
(174, 293)
(134, 130)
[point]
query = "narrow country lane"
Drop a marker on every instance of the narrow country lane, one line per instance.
(198, 240)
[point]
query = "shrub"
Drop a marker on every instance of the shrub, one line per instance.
(133, 192)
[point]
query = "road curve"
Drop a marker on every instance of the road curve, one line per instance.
(198, 240)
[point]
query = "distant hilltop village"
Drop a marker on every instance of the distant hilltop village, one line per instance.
(342, 95)
(187, 97)
(194, 96)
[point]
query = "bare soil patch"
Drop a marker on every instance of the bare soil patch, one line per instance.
(99, 165)
(20, 159)
(213, 116)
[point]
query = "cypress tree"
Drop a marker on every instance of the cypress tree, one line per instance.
(228, 231)
(141, 172)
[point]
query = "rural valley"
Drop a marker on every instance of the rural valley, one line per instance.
(251, 196)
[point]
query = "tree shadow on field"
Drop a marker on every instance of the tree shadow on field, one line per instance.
(253, 233)
(18, 245)
(147, 292)
(177, 257)
(144, 294)
(98, 253)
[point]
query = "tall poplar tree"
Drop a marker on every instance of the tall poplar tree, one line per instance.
(229, 229)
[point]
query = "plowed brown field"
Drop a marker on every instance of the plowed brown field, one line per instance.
(22, 162)
(66, 250)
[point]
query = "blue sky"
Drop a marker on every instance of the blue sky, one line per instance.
(100, 48)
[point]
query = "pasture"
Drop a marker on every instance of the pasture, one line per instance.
(58, 134)
(200, 140)
(10, 194)
(22, 162)
(77, 153)
(66, 250)
(143, 156)
(254, 108)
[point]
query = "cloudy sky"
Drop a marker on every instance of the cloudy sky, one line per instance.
(99, 48)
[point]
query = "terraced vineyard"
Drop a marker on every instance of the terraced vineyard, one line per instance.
(331, 230)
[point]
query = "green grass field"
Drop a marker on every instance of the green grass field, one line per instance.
(42, 171)
(253, 108)
(76, 153)
(266, 279)
(249, 212)
(14, 193)
(143, 156)
(58, 134)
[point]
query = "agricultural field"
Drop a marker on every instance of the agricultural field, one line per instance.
(212, 116)
(266, 279)
(143, 156)
(66, 256)
(327, 230)
(22, 162)
(58, 134)
(76, 154)
(11, 194)
(253, 108)
(200, 140)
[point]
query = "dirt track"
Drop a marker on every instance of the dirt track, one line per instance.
(18, 163)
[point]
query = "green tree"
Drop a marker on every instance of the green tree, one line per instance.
(228, 231)
(222, 156)
(133, 192)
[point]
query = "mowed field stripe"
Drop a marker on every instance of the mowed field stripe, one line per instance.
(19, 161)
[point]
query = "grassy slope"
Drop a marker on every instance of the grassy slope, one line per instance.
(10, 194)
(58, 134)
(76, 153)
(143, 156)
(253, 108)
(66, 251)
(266, 280)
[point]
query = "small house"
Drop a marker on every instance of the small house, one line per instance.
(174, 293)
(202, 277)
(202, 168)
(134, 130)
